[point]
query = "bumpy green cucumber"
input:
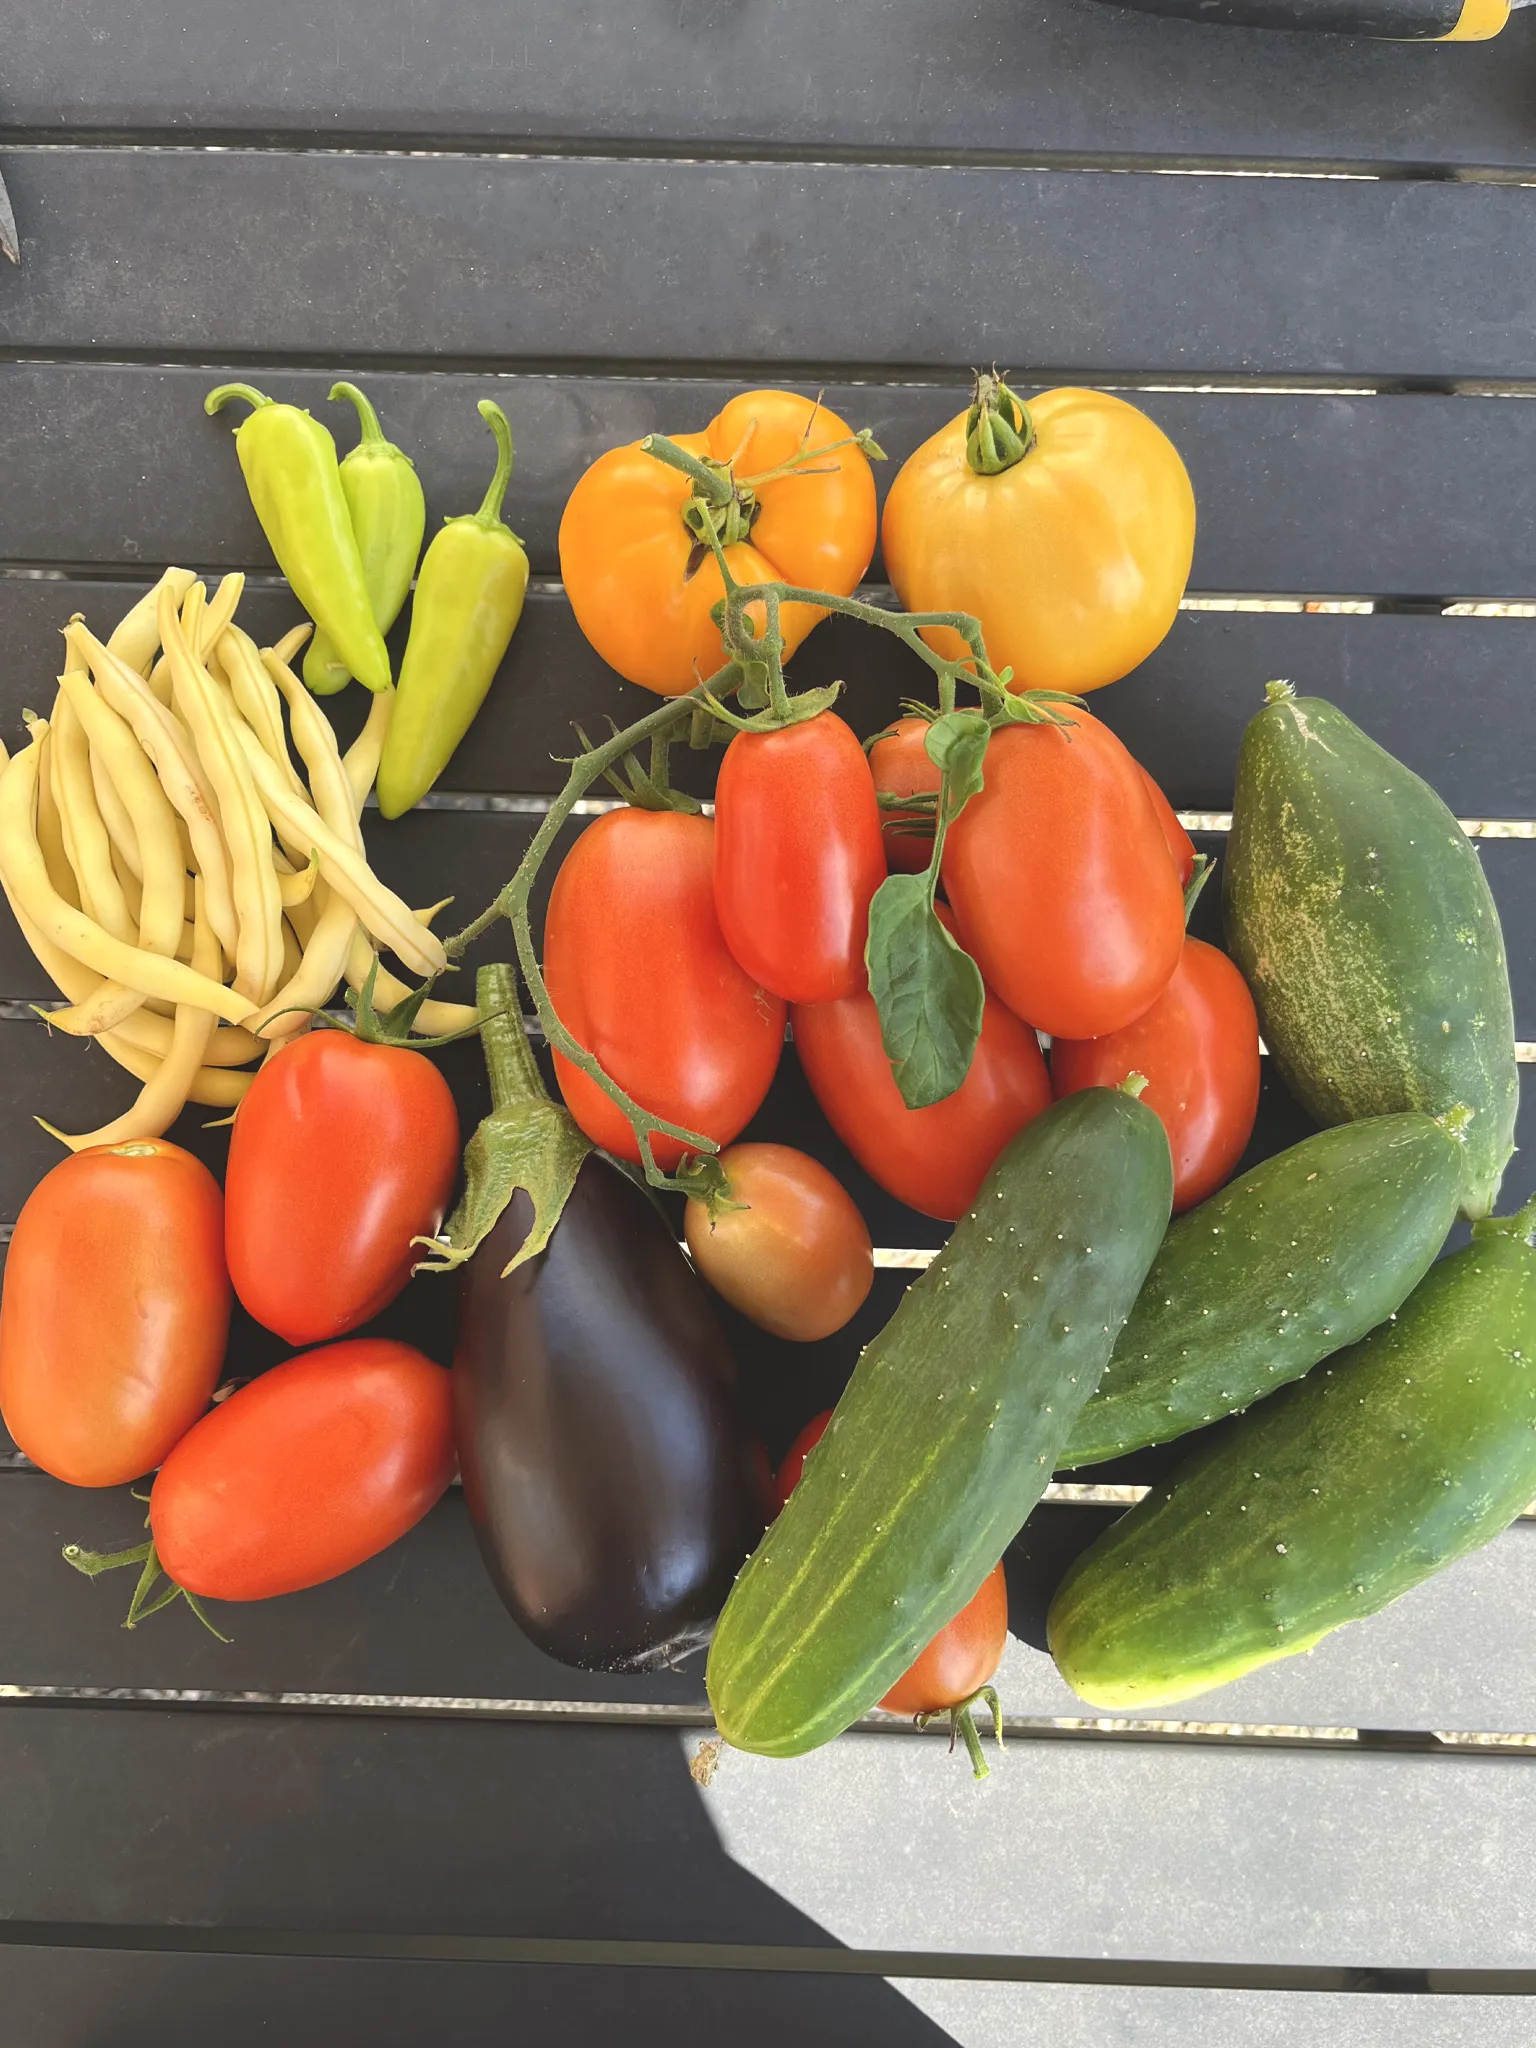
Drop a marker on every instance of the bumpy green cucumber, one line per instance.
(949, 1429)
(1358, 911)
(1300, 1257)
(1387, 1463)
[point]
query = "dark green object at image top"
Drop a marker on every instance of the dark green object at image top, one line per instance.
(469, 598)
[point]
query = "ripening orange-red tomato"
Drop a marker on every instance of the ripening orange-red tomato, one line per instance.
(1066, 527)
(115, 1311)
(797, 509)
(787, 1246)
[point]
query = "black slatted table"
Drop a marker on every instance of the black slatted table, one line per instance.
(379, 1816)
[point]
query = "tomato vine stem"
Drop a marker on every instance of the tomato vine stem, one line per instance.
(752, 674)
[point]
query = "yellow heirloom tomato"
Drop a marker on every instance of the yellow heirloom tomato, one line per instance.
(1065, 526)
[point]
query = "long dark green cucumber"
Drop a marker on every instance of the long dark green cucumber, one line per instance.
(1321, 1506)
(949, 1429)
(1358, 911)
(1298, 1258)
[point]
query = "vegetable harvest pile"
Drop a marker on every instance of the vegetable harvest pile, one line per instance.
(971, 924)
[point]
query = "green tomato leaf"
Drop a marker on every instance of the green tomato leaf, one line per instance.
(928, 992)
(957, 743)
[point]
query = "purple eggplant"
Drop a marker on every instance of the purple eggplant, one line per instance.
(607, 1464)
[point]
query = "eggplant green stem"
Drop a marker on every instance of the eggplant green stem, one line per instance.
(515, 1076)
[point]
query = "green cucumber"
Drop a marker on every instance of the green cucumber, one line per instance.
(1358, 911)
(1297, 1259)
(949, 1429)
(1321, 1506)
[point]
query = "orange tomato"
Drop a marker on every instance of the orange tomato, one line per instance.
(1074, 558)
(642, 584)
(787, 1247)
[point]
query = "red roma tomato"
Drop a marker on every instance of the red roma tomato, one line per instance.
(1198, 1046)
(932, 1159)
(318, 1464)
(965, 1652)
(798, 854)
(640, 975)
(342, 1153)
(1059, 878)
(1180, 845)
(900, 764)
(115, 1311)
(787, 1247)
(640, 581)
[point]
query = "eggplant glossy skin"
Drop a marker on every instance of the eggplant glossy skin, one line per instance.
(607, 1465)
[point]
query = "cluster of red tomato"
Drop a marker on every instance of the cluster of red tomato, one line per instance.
(676, 946)
(117, 1303)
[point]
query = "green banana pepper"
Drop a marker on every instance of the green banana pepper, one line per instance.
(291, 471)
(469, 598)
(389, 517)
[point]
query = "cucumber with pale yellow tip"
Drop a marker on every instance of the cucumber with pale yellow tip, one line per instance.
(949, 1429)
(1321, 1505)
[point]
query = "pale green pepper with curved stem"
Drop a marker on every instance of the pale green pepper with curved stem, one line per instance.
(289, 463)
(389, 517)
(469, 598)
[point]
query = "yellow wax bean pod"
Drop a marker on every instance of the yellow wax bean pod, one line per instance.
(293, 952)
(216, 1087)
(50, 831)
(162, 877)
(258, 702)
(366, 751)
(26, 877)
(297, 888)
(322, 967)
(292, 641)
(315, 739)
(230, 1046)
(344, 869)
(258, 906)
(135, 638)
(161, 735)
(217, 613)
(85, 837)
(164, 1093)
(114, 815)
